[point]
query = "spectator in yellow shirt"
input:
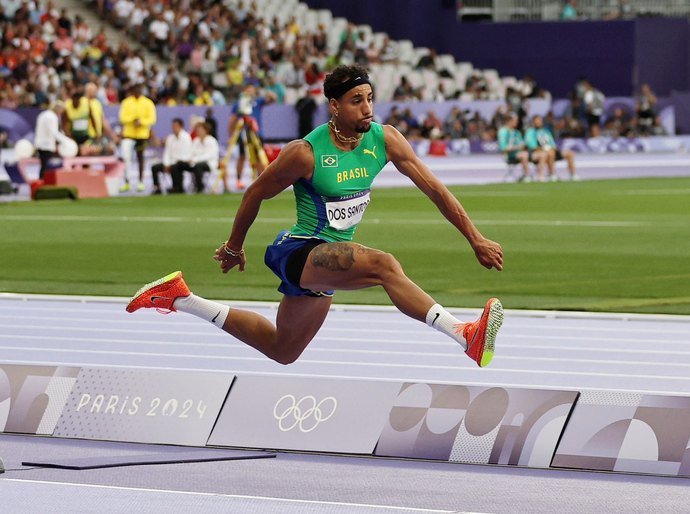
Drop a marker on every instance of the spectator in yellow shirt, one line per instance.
(98, 123)
(102, 138)
(137, 116)
(77, 117)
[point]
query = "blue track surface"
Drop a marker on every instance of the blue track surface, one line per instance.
(640, 353)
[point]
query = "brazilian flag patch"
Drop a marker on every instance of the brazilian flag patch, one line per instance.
(329, 161)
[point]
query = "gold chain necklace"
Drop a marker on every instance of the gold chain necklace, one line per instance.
(340, 137)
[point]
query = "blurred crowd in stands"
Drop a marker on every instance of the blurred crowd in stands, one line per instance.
(214, 51)
(584, 117)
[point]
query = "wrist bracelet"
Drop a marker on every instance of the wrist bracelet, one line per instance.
(232, 253)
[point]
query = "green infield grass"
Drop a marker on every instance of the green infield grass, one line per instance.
(621, 246)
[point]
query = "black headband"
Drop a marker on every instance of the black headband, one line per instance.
(340, 89)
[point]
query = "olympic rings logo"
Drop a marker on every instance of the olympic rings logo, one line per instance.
(306, 413)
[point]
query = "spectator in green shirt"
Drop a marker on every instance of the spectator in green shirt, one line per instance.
(275, 86)
(538, 137)
(513, 146)
(569, 13)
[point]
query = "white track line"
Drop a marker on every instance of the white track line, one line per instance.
(329, 350)
(356, 364)
(306, 360)
(431, 380)
(446, 343)
(423, 333)
(508, 339)
(349, 308)
(431, 339)
(223, 495)
(228, 221)
(414, 326)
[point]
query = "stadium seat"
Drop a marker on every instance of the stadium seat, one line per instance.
(493, 83)
(416, 78)
(325, 17)
(378, 38)
(383, 78)
(509, 82)
(465, 67)
(406, 51)
(551, 11)
(449, 86)
(431, 79)
(310, 22)
(419, 52)
(445, 62)
(337, 27)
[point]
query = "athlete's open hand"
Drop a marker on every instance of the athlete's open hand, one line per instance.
(229, 258)
(489, 254)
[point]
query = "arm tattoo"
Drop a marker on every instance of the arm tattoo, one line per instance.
(333, 256)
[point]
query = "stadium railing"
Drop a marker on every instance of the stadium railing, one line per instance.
(550, 10)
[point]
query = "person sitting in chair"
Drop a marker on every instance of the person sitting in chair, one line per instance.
(176, 157)
(511, 143)
(204, 158)
(538, 137)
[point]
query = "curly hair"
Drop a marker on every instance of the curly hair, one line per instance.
(343, 73)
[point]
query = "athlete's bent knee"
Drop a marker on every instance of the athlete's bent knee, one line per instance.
(385, 265)
(286, 358)
(287, 353)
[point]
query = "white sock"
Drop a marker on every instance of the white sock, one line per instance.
(213, 312)
(443, 321)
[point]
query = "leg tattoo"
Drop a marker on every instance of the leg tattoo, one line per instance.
(333, 256)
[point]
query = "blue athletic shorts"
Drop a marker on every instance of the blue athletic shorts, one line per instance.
(277, 257)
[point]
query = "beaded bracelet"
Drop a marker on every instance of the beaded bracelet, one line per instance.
(232, 253)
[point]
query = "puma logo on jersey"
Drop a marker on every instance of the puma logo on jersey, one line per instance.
(366, 151)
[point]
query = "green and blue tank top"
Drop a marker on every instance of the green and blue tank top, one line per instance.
(332, 203)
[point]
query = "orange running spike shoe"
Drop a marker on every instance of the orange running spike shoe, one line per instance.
(160, 294)
(481, 334)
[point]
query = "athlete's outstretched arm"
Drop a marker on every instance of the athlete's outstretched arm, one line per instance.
(295, 161)
(400, 153)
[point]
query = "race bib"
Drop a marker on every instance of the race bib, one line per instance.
(81, 125)
(346, 212)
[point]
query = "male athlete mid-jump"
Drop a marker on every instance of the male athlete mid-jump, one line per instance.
(331, 171)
